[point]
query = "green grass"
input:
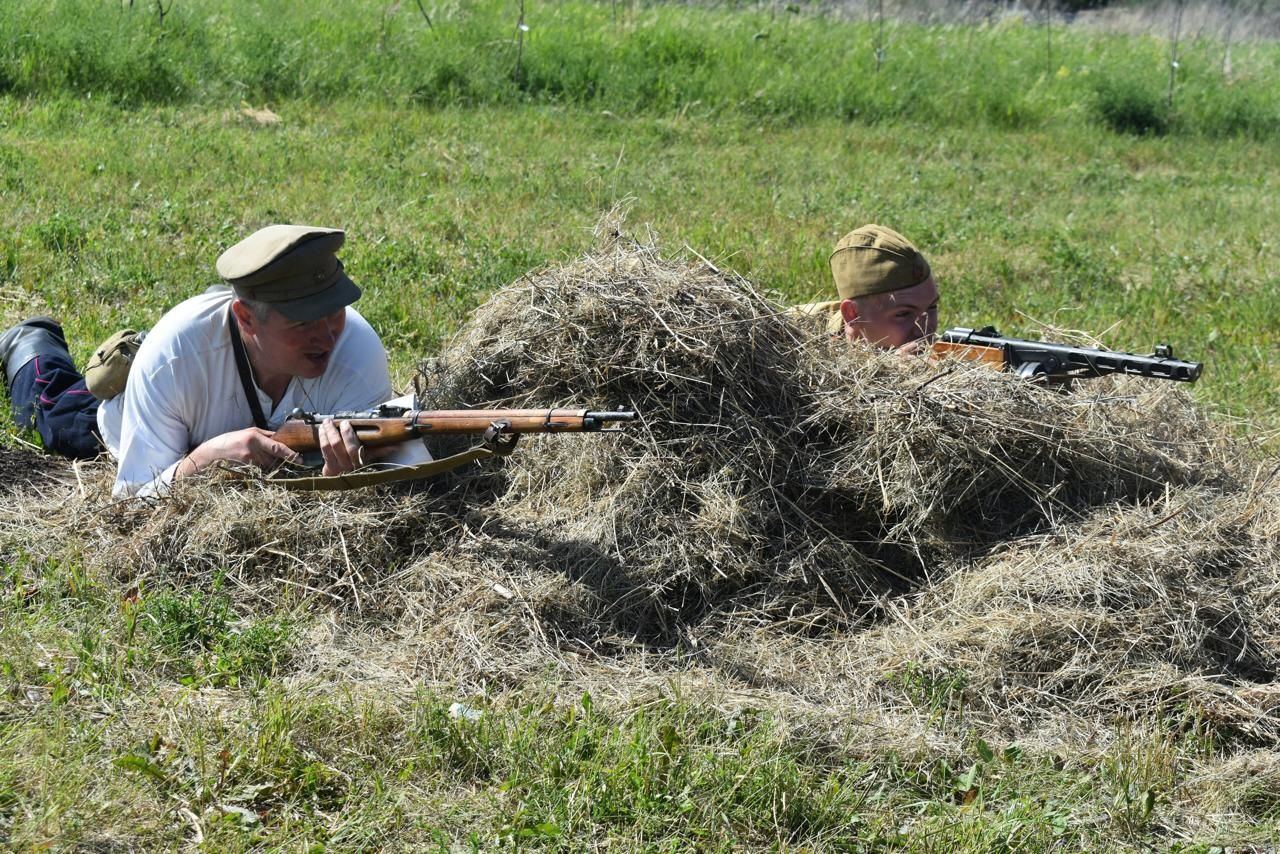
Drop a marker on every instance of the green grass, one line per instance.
(117, 213)
(756, 62)
(176, 702)
(269, 765)
(1073, 196)
(154, 719)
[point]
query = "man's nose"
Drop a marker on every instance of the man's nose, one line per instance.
(325, 334)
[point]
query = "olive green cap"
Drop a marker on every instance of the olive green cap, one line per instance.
(876, 260)
(293, 268)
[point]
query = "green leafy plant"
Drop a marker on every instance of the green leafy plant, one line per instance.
(941, 692)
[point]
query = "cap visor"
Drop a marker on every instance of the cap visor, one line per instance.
(340, 294)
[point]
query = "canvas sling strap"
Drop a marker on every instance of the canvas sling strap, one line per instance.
(246, 377)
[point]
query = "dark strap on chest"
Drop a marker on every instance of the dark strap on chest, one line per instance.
(246, 377)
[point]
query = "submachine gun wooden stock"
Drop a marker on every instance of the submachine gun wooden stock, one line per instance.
(1059, 364)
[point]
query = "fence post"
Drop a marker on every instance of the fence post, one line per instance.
(1173, 49)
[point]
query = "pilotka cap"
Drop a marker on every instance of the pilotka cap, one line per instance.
(876, 260)
(293, 268)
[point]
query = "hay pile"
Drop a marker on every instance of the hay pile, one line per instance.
(777, 472)
(1169, 607)
(816, 523)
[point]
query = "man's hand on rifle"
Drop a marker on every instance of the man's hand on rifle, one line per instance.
(342, 450)
(918, 347)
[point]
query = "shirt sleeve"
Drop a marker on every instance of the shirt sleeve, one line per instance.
(154, 436)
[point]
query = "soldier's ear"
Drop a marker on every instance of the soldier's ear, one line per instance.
(849, 310)
(244, 316)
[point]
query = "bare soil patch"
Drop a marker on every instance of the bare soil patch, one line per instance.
(23, 470)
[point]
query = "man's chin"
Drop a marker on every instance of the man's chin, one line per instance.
(310, 369)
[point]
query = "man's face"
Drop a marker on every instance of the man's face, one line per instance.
(287, 347)
(894, 319)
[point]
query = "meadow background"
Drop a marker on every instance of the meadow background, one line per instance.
(1056, 175)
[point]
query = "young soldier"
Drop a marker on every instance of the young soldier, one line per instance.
(219, 372)
(888, 296)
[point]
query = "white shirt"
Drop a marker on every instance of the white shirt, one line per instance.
(184, 389)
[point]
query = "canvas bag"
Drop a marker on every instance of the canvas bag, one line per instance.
(108, 369)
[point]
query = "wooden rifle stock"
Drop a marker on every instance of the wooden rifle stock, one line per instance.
(392, 425)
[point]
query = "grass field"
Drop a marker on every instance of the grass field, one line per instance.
(116, 213)
(1060, 191)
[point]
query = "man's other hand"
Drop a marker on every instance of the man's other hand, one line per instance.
(340, 447)
(251, 445)
(918, 347)
(342, 451)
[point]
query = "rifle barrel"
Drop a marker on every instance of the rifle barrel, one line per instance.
(516, 420)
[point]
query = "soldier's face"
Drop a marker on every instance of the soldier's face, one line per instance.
(894, 319)
(286, 347)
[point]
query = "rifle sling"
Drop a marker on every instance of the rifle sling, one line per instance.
(246, 376)
(358, 479)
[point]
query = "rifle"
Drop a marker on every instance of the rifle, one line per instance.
(500, 429)
(1060, 363)
(391, 425)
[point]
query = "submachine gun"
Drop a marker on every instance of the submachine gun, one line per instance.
(1059, 364)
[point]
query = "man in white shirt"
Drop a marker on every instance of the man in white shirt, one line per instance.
(187, 405)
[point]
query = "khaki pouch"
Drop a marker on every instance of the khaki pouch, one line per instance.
(108, 368)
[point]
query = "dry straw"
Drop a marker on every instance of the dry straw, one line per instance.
(820, 526)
